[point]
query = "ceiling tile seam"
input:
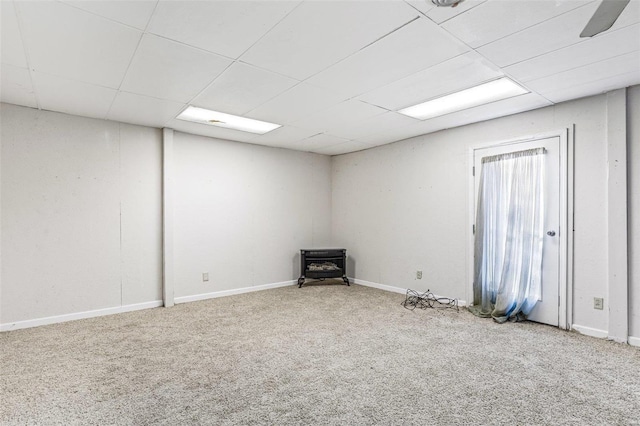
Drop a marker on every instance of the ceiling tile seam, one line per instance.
(366, 135)
(190, 102)
(409, 76)
(133, 55)
(335, 63)
(18, 15)
(600, 91)
(124, 75)
(293, 87)
(461, 13)
(471, 49)
(370, 103)
(593, 81)
(98, 15)
(238, 61)
(208, 52)
(417, 10)
(62, 77)
(155, 98)
(581, 66)
(539, 23)
(500, 69)
(360, 50)
(507, 74)
(570, 45)
(153, 13)
(384, 36)
(268, 31)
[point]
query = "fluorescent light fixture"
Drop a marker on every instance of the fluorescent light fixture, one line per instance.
(228, 121)
(485, 93)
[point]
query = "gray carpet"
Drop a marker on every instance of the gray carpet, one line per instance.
(323, 354)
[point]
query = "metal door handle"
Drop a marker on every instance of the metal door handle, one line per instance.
(551, 233)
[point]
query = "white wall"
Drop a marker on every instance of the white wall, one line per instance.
(243, 212)
(403, 207)
(633, 182)
(81, 214)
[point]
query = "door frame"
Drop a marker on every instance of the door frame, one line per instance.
(565, 267)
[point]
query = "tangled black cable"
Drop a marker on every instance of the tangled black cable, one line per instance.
(426, 300)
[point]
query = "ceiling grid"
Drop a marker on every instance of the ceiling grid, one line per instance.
(333, 74)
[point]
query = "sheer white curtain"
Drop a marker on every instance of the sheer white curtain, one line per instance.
(509, 235)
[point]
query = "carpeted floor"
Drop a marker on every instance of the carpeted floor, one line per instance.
(323, 354)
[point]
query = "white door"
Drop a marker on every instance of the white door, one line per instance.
(547, 309)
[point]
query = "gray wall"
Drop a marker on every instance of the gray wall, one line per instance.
(81, 210)
(243, 212)
(633, 170)
(81, 214)
(404, 207)
(81, 226)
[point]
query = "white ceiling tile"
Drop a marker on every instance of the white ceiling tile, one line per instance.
(423, 6)
(16, 87)
(339, 116)
(11, 50)
(495, 19)
(550, 35)
(211, 131)
(224, 27)
(389, 136)
(446, 77)
(135, 13)
(143, 110)
(601, 47)
(344, 148)
(623, 64)
(442, 14)
(168, 70)
(283, 136)
(294, 104)
(241, 88)
(316, 143)
(74, 44)
(416, 46)
(379, 123)
(318, 34)
(485, 112)
(72, 97)
(595, 87)
(472, 115)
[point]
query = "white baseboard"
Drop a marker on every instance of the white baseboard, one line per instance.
(223, 293)
(588, 331)
(392, 288)
(634, 341)
(78, 315)
(378, 286)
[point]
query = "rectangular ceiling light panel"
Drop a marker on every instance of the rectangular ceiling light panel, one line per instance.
(485, 93)
(228, 121)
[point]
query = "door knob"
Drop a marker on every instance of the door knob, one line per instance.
(551, 233)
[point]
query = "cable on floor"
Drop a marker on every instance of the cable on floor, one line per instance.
(415, 299)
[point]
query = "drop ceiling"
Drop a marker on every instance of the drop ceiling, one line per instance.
(333, 73)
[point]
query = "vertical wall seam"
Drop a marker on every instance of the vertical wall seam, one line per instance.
(167, 217)
(617, 235)
(120, 211)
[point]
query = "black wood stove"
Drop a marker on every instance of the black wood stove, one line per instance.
(323, 263)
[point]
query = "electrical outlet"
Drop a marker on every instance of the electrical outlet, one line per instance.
(598, 303)
(419, 275)
(205, 276)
